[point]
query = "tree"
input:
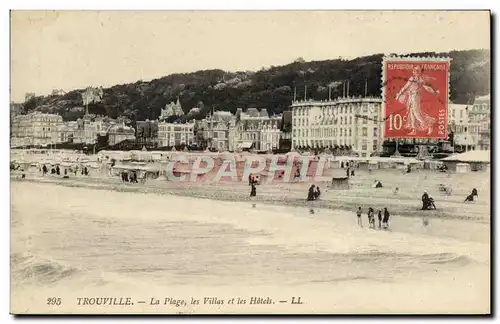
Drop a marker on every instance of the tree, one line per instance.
(28, 96)
(272, 89)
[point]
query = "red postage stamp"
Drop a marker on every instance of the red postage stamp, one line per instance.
(415, 92)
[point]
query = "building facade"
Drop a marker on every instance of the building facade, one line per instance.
(173, 134)
(89, 127)
(256, 129)
(471, 124)
(215, 129)
(465, 133)
(172, 109)
(118, 133)
(67, 131)
(343, 122)
(146, 133)
(480, 116)
(37, 129)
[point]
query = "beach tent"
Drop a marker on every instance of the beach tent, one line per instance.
(477, 160)
(372, 164)
(340, 183)
(462, 167)
(470, 157)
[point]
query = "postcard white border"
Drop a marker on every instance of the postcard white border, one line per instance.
(192, 4)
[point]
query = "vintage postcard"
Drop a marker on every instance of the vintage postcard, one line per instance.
(250, 162)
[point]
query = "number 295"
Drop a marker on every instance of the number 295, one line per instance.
(54, 301)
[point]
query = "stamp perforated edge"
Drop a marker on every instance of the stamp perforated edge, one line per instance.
(419, 59)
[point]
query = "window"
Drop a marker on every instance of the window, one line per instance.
(364, 131)
(365, 121)
(375, 132)
(350, 110)
(350, 119)
(374, 145)
(350, 132)
(365, 108)
(364, 147)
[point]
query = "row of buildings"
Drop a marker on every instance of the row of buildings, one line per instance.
(357, 123)
(348, 123)
(42, 129)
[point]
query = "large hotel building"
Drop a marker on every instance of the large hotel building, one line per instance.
(343, 122)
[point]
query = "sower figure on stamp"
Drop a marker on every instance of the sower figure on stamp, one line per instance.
(410, 96)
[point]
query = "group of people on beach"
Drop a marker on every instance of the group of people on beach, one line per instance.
(383, 220)
(57, 171)
(252, 181)
(314, 193)
(349, 165)
(126, 177)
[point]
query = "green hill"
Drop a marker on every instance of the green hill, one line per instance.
(272, 88)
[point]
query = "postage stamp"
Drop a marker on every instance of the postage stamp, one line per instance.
(415, 97)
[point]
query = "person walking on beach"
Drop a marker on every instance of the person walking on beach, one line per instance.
(385, 222)
(253, 191)
(371, 218)
(310, 194)
(317, 193)
(379, 218)
(358, 214)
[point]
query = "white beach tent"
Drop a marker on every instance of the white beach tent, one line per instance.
(478, 160)
(470, 157)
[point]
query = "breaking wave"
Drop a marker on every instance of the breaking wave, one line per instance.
(29, 268)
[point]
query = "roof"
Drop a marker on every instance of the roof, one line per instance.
(471, 156)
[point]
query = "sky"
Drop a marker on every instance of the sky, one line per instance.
(74, 49)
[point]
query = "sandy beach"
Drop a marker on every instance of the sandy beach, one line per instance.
(85, 237)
